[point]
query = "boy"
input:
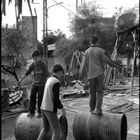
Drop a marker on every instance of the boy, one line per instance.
(50, 104)
(39, 79)
(93, 64)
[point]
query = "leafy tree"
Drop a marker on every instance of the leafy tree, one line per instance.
(86, 22)
(89, 22)
(13, 41)
(125, 20)
(52, 38)
(65, 48)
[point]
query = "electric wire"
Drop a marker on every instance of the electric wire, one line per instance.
(66, 8)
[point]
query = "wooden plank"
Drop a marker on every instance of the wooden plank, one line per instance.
(122, 108)
(113, 57)
(134, 57)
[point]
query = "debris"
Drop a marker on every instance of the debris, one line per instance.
(118, 87)
(78, 85)
(109, 96)
(14, 97)
(135, 100)
(76, 91)
(123, 83)
(122, 108)
(120, 94)
(134, 130)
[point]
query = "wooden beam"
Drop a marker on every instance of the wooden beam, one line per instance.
(134, 57)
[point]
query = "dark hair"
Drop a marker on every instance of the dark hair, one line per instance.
(57, 68)
(85, 42)
(94, 40)
(36, 53)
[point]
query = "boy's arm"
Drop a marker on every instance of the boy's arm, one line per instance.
(110, 62)
(26, 74)
(18, 83)
(57, 102)
(46, 72)
(56, 91)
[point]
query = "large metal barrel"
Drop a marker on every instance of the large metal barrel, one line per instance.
(29, 128)
(87, 126)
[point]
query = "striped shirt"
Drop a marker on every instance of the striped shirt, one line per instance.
(40, 73)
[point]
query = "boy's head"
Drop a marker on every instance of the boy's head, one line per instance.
(94, 40)
(58, 68)
(59, 71)
(36, 56)
(85, 43)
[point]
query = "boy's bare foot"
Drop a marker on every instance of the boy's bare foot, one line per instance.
(39, 115)
(30, 114)
(97, 112)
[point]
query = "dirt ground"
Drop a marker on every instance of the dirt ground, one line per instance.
(75, 105)
(8, 124)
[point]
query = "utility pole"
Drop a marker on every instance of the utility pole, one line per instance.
(45, 34)
(45, 27)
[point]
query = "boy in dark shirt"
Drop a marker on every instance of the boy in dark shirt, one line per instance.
(39, 79)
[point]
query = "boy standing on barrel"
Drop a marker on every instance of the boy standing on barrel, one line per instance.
(50, 104)
(93, 64)
(40, 71)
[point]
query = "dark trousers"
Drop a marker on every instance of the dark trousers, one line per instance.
(34, 91)
(96, 91)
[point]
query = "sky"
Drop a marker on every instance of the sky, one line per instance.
(58, 16)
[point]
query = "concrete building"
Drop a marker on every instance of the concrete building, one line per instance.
(31, 32)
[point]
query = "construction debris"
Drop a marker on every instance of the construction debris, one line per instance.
(122, 108)
(118, 87)
(135, 100)
(77, 90)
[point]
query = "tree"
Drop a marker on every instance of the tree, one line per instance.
(86, 22)
(125, 20)
(65, 48)
(55, 36)
(89, 22)
(52, 38)
(13, 41)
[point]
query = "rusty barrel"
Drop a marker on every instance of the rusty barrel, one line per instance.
(29, 128)
(108, 126)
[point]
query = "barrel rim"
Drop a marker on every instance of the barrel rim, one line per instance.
(63, 120)
(123, 127)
